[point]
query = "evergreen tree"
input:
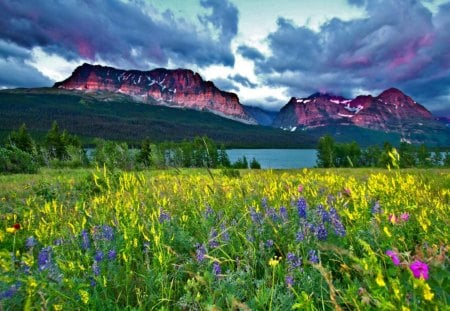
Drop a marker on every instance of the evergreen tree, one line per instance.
(255, 164)
(54, 143)
(223, 158)
(407, 155)
(144, 156)
(22, 140)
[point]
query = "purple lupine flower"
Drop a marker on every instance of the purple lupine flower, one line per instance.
(339, 228)
(289, 280)
(256, 216)
(299, 236)
(11, 291)
(216, 268)
(213, 239)
(293, 260)
(419, 269)
(58, 242)
(225, 235)
(112, 254)
(284, 213)
(269, 243)
(30, 242)
(312, 256)
(272, 214)
(95, 268)
(93, 282)
(45, 258)
(107, 233)
(321, 232)
(85, 241)
(163, 215)
(98, 255)
(301, 208)
(323, 214)
(394, 257)
(200, 252)
(376, 208)
(209, 212)
(264, 203)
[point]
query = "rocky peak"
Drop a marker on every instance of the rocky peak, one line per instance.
(178, 88)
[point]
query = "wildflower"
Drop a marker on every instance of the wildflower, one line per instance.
(419, 269)
(14, 228)
(98, 255)
(269, 243)
(393, 219)
(283, 213)
(380, 280)
(95, 268)
(299, 236)
(85, 241)
(84, 295)
(256, 216)
(376, 208)
(216, 268)
(58, 242)
(301, 208)
(321, 232)
(347, 192)
(273, 262)
(293, 260)
(313, 256)
(163, 215)
(300, 188)
(209, 212)
(30, 242)
(44, 258)
(323, 214)
(289, 280)
(11, 291)
(338, 227)
(225, 235)
(427, 294)
(404, 216)
(264, 202)
(394, 257)
(213, 240)
(112, 254)
(107, 233)
(200, 252)
(272, 214)
(386, 230)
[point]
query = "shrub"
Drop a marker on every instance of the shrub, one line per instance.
(14, 160)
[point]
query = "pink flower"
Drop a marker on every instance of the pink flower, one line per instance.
(419, 269)
(404, 216)
(300, 188)
(394, 257)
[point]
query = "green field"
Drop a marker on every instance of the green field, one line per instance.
(354, 239)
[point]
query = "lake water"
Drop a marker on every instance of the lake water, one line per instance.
(276, 158)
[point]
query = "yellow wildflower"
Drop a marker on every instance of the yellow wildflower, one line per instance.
(380, 280)
(273, 262)
(427, 294)
(84, 296)
(57, 307)
(386, 230)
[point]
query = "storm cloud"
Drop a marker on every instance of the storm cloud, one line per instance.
(397, 44)
(125, 34)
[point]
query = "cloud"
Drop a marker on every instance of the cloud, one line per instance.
(126, 34)
(243, 81)
(250, 53)
(15, 71)
(226, 85)
(398, 43)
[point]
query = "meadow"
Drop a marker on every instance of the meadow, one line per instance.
(196, 239)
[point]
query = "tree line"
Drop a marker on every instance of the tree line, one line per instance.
(333, 154)
(22, 154)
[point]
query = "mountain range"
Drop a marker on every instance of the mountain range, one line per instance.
(391, 113)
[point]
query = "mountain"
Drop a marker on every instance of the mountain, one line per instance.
(262, 116)
(391, 111)
(180, 88)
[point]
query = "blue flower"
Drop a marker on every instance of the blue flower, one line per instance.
(45, 258)
(98, 255)
(299, 236)
(269, 243)
(283, 213)
(95, 268)
(321, 232)
(216, 268)
(323, 214)
(112, 254)
(30, 242)
(289, 280)
(163, 216)
(200, 252)
(376, 208)
(313, 256)
(85, 241)
(301, 208)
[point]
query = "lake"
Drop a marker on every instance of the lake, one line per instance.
(276, 158)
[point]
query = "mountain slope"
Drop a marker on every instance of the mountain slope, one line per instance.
(178, 88)
(392, 111)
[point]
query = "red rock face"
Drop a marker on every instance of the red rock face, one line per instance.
(178, 88)
(391, 111)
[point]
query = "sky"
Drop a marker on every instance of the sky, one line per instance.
(266, 51)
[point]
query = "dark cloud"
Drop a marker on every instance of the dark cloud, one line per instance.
(15, 72)
(250, 53)
(226, 85)
(357, 2)
(243, 81)
(399, 43)
(127, 34)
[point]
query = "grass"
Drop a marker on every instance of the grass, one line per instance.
(192, 240)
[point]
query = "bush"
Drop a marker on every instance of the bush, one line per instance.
(14, 160)
(255, 164)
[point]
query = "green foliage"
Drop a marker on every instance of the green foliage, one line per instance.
(113, 155)
(254, 164)
(15, 160)
(21, 140)
(241, 163)
(325, 151)
(144, 156)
